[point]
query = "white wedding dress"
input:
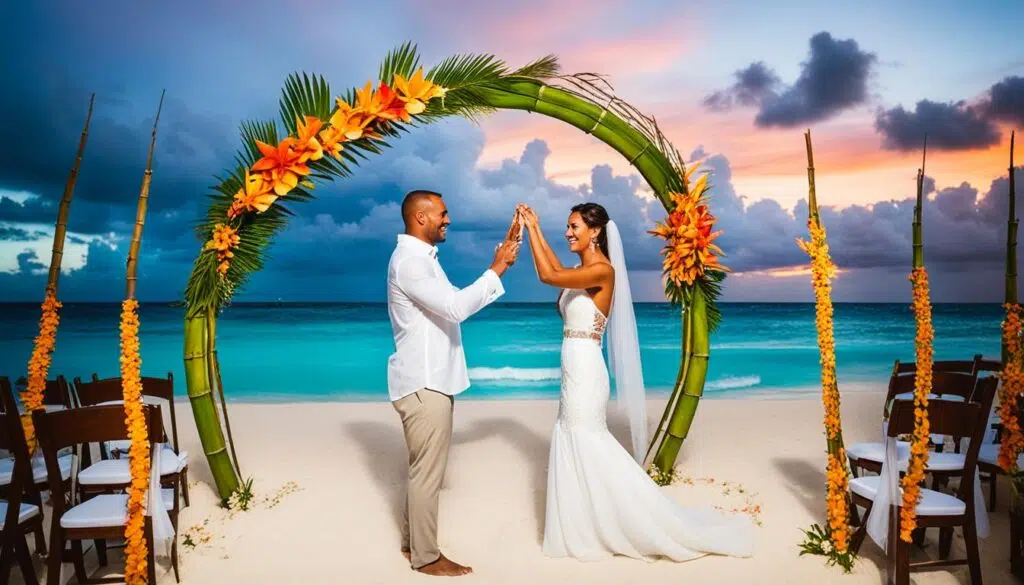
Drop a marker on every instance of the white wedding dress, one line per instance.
(600, 502)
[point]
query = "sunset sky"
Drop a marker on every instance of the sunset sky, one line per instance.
(732, 86)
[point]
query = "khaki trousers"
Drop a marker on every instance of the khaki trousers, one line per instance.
(427, 422)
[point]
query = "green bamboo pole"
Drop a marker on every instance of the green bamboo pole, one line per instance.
(1010, 295)
(204, 407)
(689, 386)
(919, 248)
(201, 371)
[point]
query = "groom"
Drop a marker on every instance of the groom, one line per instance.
(428, 367)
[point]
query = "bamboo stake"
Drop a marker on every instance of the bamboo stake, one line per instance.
(1010, 296)
(918, 248)
(140, 214)
(61, 228)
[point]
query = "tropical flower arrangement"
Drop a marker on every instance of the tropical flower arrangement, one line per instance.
(834, 540)
(693, 273)
(1011, 389)
(284, 166)
(918, 464)
(39, 365)
(688, 231)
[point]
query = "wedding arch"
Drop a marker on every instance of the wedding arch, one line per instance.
(325, 136)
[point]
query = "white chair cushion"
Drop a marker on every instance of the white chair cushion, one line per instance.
(27, 511)
(38, 469)
(145, 400)
(949, 397)
(932, 503)
(876, 452)
(116, 471)
(106, 510)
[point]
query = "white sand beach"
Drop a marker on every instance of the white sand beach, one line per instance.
(348, 460)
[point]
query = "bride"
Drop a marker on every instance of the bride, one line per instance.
(600, 502)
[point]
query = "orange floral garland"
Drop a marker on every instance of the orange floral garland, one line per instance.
(1012, 442)
(284, 167)
(39, 365)
(918, 464)
(224, 239)
(689, 250)
(836, 476)
(136, 562)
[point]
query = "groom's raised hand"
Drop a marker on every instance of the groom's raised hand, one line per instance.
(504, 256)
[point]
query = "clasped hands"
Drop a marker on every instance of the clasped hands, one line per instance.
(506, 253)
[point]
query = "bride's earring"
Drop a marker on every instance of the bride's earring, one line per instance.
(593, 245)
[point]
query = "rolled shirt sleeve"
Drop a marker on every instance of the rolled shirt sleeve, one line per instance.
(419, 279)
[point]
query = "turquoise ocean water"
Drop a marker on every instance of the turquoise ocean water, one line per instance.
(304, 352)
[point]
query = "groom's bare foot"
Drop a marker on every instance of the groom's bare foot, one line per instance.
(443, 567)
(406, 553)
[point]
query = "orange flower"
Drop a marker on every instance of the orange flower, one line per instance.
(381, 104)
(351, 122)
(306, 131)
(39, 364)
(224, 239)
(1010, 391)
(331, 139)
(135, 572)
(283, 165)
(256, 194)
(918, 464)
(836, 475)
(689, 251)
(416, 91)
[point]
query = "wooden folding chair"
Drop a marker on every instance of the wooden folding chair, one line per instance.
(20, 512)
(956, 386)
(154, 391)
(102, 516)
(988, 458)
(935, 509)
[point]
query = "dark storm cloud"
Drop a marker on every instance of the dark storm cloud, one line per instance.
(949, 126)
(1006, 101)
(955, 126)
(833, 79)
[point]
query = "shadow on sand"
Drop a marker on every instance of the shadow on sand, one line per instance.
(385, 453)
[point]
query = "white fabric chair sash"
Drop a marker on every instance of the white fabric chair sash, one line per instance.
(889, 494)
(163, 529)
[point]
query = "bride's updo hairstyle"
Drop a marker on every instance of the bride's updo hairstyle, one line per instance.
(596, 217)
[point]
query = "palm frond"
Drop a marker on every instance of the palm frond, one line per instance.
(467, 70)
(304, 96)
(402, 60)
(711, 286)
(544, 68)
(252, 131)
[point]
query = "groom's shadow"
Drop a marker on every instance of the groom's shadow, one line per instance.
(534, 449)
(386, 455)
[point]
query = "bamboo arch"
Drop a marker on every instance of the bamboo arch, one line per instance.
(247, 210)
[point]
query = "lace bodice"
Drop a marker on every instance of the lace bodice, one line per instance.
(580, 315)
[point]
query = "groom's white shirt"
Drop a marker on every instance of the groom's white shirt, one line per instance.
(425, 311)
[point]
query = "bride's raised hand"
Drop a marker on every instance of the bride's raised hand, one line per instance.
(530, 218)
